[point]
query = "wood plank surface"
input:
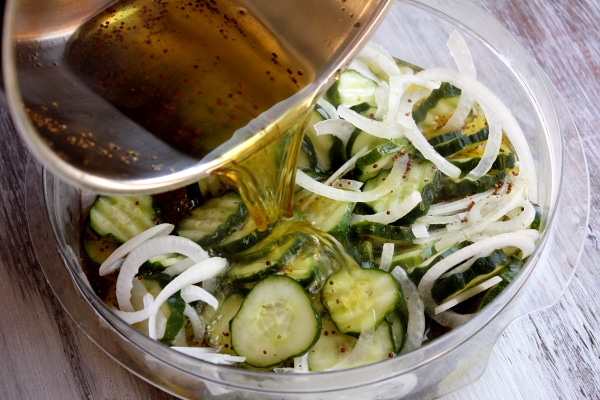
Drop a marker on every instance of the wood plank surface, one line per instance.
(551, 354)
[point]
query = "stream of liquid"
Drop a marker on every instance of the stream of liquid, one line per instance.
(194, 72)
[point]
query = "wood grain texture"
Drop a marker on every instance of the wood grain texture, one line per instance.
(550, 354)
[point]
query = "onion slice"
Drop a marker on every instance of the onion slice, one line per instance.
(197, 325)
(414, 134)
(197, 273)
(387, 253)
(359, 353)
(112, 263)
(467, 294)
(415, 325)
(379, 60)
(369, 125)
(524, 240)
(209, 354)
(393, 179)
(191, 293)
(393, 214)
(337, 127)
(464, 61)
(144, 252)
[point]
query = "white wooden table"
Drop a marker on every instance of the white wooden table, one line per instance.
(550, 354)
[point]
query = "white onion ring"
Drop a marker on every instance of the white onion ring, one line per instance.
(199, 272)
(369, 125)
(387, 253)
(393, 214)
(415, 325)
(464, 61)
(524, 240)
(414, 134)
(393, 179)
(111, 263)
(379, 60)
(209, 354)
(145, 251)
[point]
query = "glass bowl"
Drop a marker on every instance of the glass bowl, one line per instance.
(416, 31)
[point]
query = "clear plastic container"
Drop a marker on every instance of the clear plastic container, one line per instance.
(416, 31)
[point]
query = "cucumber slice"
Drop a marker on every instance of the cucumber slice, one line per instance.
(401, 235)
(214, 220)
(332, 347)
(163, 261)
(276, 322)
(435, 110)
(514, 266)
(411, 257)
(422, 176)
(328, 149)
(359, 140)
(176, 319)
(482, 269)
(366, 254)
(303, 267)
(307, 158)
(383, 344)
(462, 187)
(122, 217)
(358, 299)
(462, 142)
(218, 333)
(328, 215)
(503, 161)
(241, 238)
(352, 88)
(398, 329)
(380, 157)
(266, 257)
(97, 248)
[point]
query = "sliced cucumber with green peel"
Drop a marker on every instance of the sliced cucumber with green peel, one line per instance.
(398, 329)
(122, 217)
(266, 257)
(402, 235)
(328, 149)
(383, 344)
(482, 269)
(214, 220)
(352, 88)
(359, 299)
(241, 239)
(97, 248)
(303, 267)
(461, 187)
(411, 257)
(163, 261)
(422, 177)
(380, 157)
(360, 140)
(504, 160)
(328, 215)
(332, 347)
(462, 142)
(218, 333)
(441, 103)
(276, 322)
(514, 266)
